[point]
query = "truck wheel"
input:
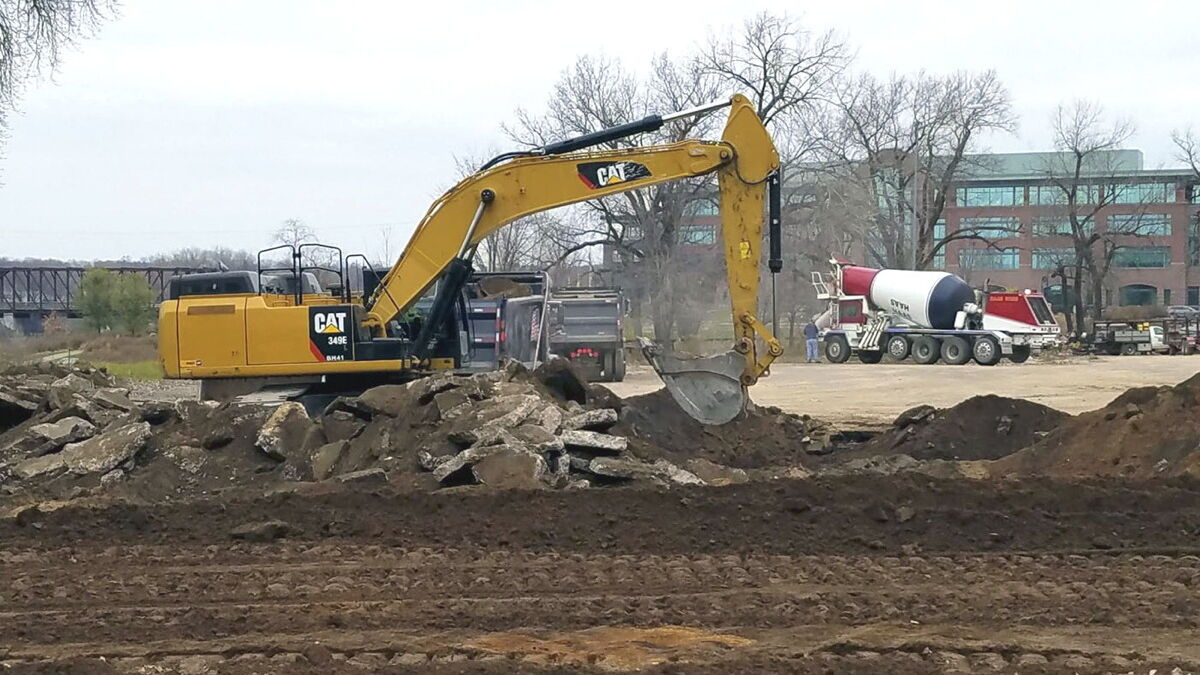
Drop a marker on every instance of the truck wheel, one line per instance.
(986, 351)
(925, 350)
(837, 349)
(619, 367)
(1020, 354)
(1129, 349)
(955, 350)
(898, 347)
(870, 356)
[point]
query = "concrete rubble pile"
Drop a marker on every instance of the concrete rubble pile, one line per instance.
(55, 420)
(504, 429)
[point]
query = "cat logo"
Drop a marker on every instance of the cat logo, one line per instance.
(329, 322)
(600, 174)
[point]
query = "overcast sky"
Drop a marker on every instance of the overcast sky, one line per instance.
(207, 122)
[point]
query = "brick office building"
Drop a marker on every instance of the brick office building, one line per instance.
(1159, 264)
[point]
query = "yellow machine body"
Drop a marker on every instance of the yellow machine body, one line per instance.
(265, 335)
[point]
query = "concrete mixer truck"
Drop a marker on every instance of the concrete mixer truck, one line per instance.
(930, 316)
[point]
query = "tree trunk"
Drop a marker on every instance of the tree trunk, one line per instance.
(1080, 310)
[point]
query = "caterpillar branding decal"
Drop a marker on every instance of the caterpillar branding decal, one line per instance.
(330, 333)
(600, 174)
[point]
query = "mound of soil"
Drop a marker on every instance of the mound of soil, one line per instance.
(981, 427)
(1144, 432)
(657, 428)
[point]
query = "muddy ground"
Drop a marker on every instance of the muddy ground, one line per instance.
(856, 574)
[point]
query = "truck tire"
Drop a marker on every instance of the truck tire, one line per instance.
(986, 351)
(619, 367)
(1129, 349)
(870, 355)
(925, 350)
(1020, 353)
(837, 349)
(955, 350)
(898, 347)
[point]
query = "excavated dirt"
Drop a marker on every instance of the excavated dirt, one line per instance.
(849, 575)
(1147, 431)
(760, 437)
(981, 427)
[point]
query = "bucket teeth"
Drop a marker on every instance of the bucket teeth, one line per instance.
(708, 388)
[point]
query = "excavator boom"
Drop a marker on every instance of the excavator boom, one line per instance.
(246, 335)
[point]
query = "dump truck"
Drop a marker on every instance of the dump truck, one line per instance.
(586, 327)
(1174, 335)
(928, 315)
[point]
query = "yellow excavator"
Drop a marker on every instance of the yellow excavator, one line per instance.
(239, 332)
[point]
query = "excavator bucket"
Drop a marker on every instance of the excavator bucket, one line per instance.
(708, 388)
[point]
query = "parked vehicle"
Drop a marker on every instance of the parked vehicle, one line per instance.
(586, 327)
(1152, 336)
(1184, 311)
(929, 316)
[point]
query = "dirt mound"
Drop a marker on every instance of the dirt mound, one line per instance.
(981, 427)
(658, 428)
(1144, 432)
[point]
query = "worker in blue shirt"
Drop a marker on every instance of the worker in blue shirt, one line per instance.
(811, 332)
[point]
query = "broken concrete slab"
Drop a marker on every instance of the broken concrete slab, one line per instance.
(716, 474)
(374, 476)
(106, 451)
(98, 454)
(551, 419)
(66, 430)
(594, 441)
(341, 425)
(537, 437)
(285, 431)
(450, 404)
(114, 398)
(616, 467)
(325, 458)
(15, 409)
(595, 420)
(63, 390)
(914, 415)
(511, 469)
(469, 457)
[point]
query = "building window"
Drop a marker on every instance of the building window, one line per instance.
(1194, 240)
(991, 228)
(1059, 226)
(1144, 224)
(698, 235)
(1195, 193)
(631, 233)
(939, 258)
(1053, 195)
(1050, 258)
(1142, 256)
(989, 258)
(1166, 296)
(1143, 193)
(1193, 298)
(700, 207)
(1008, 195)
(1138, 294)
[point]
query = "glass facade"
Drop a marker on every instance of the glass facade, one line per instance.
(1046, 195)
(1008, 195)
(1050, 258)
(1144, 224)
(989, 258)
(700, 207)
(1143, 193)
(999, 227)
(1142, 257)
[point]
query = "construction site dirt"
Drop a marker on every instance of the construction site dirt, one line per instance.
(645, 543)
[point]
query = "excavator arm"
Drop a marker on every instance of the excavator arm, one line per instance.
(744, 160)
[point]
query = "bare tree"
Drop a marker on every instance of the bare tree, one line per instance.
(293, 232)
(1187, 149)
(783, 68)
(1082, 177)
(33, 34)
(909, 140)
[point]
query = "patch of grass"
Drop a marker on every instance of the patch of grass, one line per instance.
(138, 370)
